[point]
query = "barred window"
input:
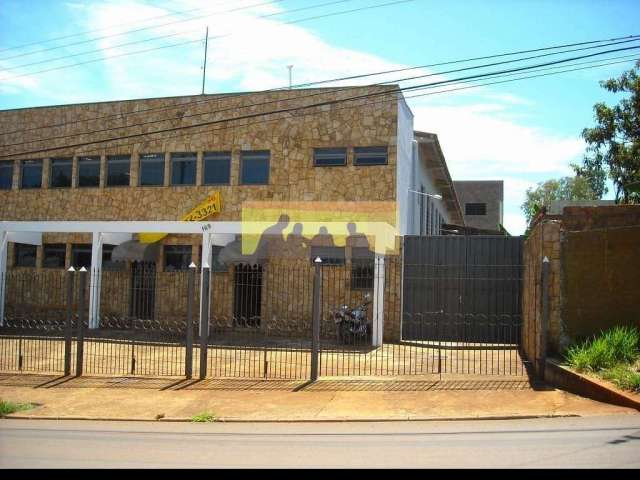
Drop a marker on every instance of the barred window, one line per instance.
(329, 157)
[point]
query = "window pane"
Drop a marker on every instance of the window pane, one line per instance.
(6, 175)
(81, 255)
(31, 174)
(107, 264)
(183, 169)
(329, 156)
(118, 170)
(475, 209)
(25, 255)
(152, 169)
(60, 172)
(370, 155)
(329, 255)
(54, 255)
(89, 171)
(177, 257)
(255, 168)
(217, 168)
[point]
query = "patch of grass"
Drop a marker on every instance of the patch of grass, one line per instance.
(204, 417)
(623, 376)
(7, 408)
(615, 346)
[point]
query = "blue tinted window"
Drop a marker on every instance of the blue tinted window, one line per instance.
(217, 168)
(31, 176)
(255, 168)
(183, 169)
(89, 171)
(152, 169)
(60, 172)
(118, 170)
(370, 155)
(6, 175)
(328, 157)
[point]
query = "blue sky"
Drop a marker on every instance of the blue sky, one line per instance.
(522, 132)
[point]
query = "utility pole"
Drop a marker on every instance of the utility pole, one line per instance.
(204, 69)
(290, 67)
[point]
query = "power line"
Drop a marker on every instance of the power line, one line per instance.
(188, 42)
(183, 12)
(95, 39)
(371, 103)
(320, 104)
(636, 37)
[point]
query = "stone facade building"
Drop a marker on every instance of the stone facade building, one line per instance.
(156, 159)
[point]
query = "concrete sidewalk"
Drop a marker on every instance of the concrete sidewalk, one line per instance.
(326, 400)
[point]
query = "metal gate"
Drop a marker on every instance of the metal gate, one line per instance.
(462, 296)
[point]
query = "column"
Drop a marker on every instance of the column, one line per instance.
(4, 243)
(95, 280)
(378, 301)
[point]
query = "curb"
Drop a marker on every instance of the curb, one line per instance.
(589, 387)
(282, 420)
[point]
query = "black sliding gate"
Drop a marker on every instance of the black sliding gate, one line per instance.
(462, 296)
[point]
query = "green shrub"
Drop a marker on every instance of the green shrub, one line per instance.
(7, 408)
(624, 377)
(204, 417)
(617, 345)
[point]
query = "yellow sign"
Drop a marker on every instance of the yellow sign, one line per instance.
(208, 207)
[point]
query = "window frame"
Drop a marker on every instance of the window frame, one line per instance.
(317, 150)
(159, 158)
(8, 165)
(68, 162)
(85, 160)
(243, 159)
(57, 246)
(223, 156)
(173, 160)
(24, 163)
(362, 150)
(116, 159)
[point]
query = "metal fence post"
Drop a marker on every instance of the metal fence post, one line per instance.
(315, 323)
(188, 354)
(68, 333)
(204, 322)
(80, 348)
(544, 320)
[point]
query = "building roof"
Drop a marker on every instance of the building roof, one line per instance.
(431, 151)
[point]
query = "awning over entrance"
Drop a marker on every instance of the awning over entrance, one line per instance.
(134, 251)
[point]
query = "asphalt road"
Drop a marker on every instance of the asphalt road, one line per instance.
(612, 441)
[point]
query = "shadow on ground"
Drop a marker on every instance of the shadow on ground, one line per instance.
(232, 384)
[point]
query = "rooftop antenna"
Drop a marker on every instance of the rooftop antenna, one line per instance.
(204, 69)
(290, 67)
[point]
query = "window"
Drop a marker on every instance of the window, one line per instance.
(81, 255)
(329, 157)
(217, 168)
(215, 252)
(152, 169)
(254, 168)
(53, 255)
(177, 257)
(329, 255)
(31, 175)
(475, 208)
(107, 264)
(6, 175)
(118, 170)
(25, 255)
(89, 171)
(60, 172)
(183, 169)
(362, 266)
(370, 156)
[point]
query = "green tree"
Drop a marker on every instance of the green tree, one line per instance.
(613, 145)
(565, 188)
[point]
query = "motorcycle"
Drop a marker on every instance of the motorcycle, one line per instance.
(351, 323)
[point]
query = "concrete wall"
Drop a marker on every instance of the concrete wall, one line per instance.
(490, 192)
